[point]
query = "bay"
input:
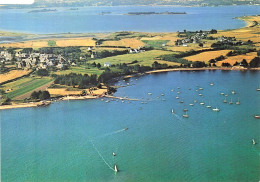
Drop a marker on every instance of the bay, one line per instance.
(74, 140)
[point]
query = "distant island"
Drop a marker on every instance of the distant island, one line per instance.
(156, 13)
(73, 9)
(105, 13)
(42, 10)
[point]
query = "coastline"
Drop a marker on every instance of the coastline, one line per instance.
(78, 97)
(74, 97)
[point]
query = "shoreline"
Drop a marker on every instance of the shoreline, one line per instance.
(87, 97)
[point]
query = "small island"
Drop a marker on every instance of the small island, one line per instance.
(42, 11)
(156, 13)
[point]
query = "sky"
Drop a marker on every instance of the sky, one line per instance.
(16, 1)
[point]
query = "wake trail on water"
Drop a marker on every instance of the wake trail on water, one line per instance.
(101, 156)
(108, 134)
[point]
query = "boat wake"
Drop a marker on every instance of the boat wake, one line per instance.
(110, 167)
(109, 134)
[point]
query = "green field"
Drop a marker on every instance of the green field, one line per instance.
(81, 70)
(51, 43)
(155, 43)
(28, 86)
(145, 58)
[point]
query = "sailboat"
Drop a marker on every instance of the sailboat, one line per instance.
(185, 115)
(173, 111)
(208, 106)
(216, 109)
(231, 101)
(237, 102)
(116, 169)
(258, 88)
(253, 141)
(225, 100)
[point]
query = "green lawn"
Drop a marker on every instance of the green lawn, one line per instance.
(155, 43)
(28, 87)
(81, 70)
(145, 58)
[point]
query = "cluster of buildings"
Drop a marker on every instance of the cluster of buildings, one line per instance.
(138, 50)
(193, 39)
(38, 60)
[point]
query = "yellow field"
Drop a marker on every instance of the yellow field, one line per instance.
(246, 33)
(62, 91)
(59, 43)
(12, 75)
(231, 60)
(129, 42)
(206, 56)
(75, 42)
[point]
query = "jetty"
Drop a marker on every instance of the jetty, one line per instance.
(121, 98)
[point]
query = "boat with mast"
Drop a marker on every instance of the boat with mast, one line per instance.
(185, 115)
(238, 102)
(230, 101)
(216, 109)
(116, 169)
(254, 142)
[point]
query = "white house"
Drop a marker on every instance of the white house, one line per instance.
(107, 64)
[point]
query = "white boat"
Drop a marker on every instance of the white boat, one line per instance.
(225, 100)
(258, 88)
(116, 169)
(178, 92)
(253, 141)
(149, 93)
(185, 110)
(162, 94)
(201, 88)
(177, 97)
(222, 93)
(181, 101)
(173, 111)
(238, 102)
(114, 154)
(230, 101)
(233, 92)
(172, 90)
(200, 94)
(216, 109)
(211, 84)
(202, 103)
(185, 115)
(107, 101)
(195, 101)
(191, 104)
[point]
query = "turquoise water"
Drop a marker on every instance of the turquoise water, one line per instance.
(87, 19)
(74, 140)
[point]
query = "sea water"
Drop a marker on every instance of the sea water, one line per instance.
(88, 19)
(74, 140)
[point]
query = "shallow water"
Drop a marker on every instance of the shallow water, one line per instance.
(74, 140)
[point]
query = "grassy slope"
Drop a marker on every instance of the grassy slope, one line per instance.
(28, 86)
(81, 70)
(145, 58)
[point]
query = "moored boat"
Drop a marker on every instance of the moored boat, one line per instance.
(173, 111)
(216, 109)
(257, 117)
(238, 102)
(185, 115)
(116, 169)
(254, 142)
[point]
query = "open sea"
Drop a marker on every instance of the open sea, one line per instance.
(88, 19)
(74, 140)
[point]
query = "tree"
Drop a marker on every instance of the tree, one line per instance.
(35, 95)
(236, 64)
(244, 63)
(42, 72)
(98, 65)
(44, 95)
(7, 101)
(255, 63)
(201, 44)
